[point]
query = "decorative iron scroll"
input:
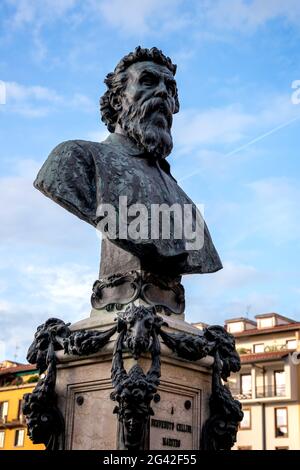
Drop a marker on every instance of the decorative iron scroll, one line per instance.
(138, 329)
(45, 423)
(119, 290)
(219, 431)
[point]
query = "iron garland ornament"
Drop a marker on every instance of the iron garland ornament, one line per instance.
(153, 233)
(45, 423)
(138, 331)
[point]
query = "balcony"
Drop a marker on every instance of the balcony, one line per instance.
(271, 391)
(3, 421)
(241, 394)
(14, 423)
(260, 392)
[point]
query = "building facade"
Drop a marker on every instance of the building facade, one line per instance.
(15, 380)
(268, 384)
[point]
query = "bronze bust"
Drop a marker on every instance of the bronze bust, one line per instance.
(137, 109)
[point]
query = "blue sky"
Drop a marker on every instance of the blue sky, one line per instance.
(235, 148)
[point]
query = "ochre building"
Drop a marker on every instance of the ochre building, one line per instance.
(15, 380)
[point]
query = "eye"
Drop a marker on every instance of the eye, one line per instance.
(148, 80)
(148, 323)
(171, 87)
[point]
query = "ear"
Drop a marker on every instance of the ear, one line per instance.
(115, 102)
(177, 105)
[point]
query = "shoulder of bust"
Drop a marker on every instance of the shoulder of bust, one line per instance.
(78, 146)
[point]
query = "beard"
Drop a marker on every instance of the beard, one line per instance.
(149, 125)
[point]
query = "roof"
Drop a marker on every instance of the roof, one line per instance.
(273, 314)
(4, 363)
(200, 323)
(232, 320)
(262, 357)
(13, 370)
(262, 331)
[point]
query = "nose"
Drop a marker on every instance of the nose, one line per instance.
(161, 90)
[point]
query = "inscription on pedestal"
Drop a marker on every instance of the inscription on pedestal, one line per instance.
(172, 426)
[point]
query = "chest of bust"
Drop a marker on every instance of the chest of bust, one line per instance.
(141, 181)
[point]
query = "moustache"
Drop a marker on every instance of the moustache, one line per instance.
(156, 104)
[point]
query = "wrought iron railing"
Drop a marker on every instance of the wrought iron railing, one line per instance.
(13, 423)
(241, 394)
(260, 392)
(271, 391)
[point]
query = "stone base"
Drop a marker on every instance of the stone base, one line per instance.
(180, 405)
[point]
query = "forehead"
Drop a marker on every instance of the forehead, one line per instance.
(137, 69)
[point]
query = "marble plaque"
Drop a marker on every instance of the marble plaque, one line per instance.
(176, 423)
(94, 426)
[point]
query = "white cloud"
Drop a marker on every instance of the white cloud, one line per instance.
(35, 234)
(32, 11)
(83, 102)
(18, 92)
(247, 16)
(68, 284)
(4, 305)
(30, 101)
(132, 16)
(203, 21)
(143, 16)
(215, 310)
(276, 211)
(219, 139)
(28, 217)
(137, 16)
(234, 275)
(38, 101)
(253, 303)
(269, 213)
(224, 294)
(232, 124)
(62, 291)
(97, 136)
(215, 125)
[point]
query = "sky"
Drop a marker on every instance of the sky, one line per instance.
(236, 149)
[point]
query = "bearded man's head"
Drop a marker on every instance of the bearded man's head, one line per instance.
(141, 99)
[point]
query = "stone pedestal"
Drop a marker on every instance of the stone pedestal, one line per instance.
(84, 386)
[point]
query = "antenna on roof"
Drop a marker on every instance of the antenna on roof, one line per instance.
(16, 352)
(248, 310)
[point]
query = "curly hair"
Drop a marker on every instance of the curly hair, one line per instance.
(116, 81)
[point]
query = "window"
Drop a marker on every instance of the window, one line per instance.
(246, 385)
(235, 327)
(19, 438)
(19, 409)
(279, 382)
(3, 409)
(259, 348)
(265, 322)
(281, 422)
(246, 423)
(2, 437)
(291, 344)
